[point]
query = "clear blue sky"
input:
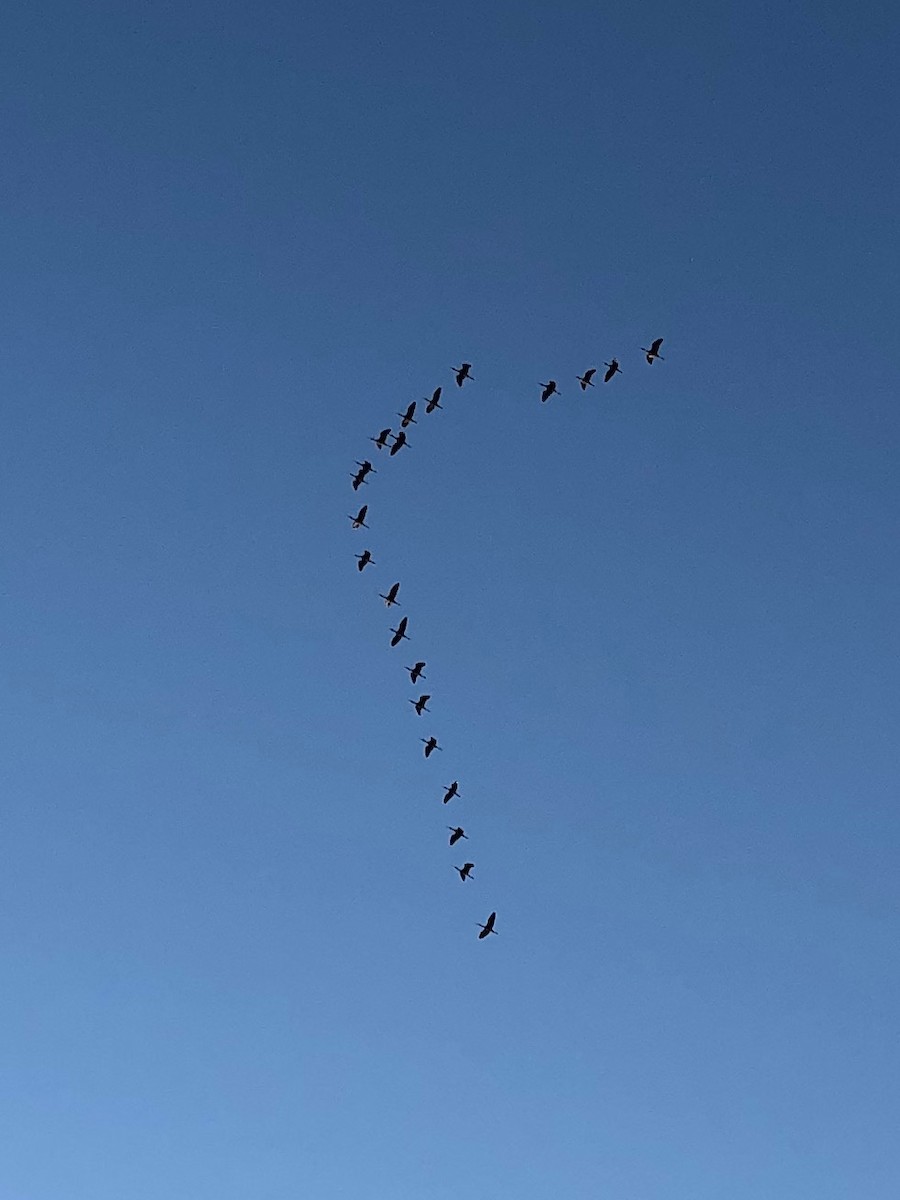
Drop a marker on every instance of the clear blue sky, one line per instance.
(660, 619)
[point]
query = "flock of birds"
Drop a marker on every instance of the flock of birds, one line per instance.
(386, 439)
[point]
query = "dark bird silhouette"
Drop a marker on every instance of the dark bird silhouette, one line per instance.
(462, 373)
(586, 380)
(408, 417)
(465, 871)
(550, 389)
(359, 521)
(420, 705)
(488, 926)
(457, 832)
(433, 402)
(357, 479)
(614, 368)
(415, 672)
(399, 442)
(452, 790)
(363, 560)
(653, 352)
(382, 440)
(400, 632)
(391, 597)
(430, 744)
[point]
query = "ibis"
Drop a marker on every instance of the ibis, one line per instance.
(382, 440)
(359, 521)
(451, 791)
(462, 373)
(391, 596)
(408, 418)
(488, 926)
(421, 705)
(550, 389)
(457, 832)
(430, 745)
(653, 352)
(465, 871)
(399, 442)
(614, 369)
(433, 403)
(400, 632)
(586, 380)
(363, 560)
(415, 672)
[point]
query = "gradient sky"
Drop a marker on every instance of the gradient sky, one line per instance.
(660, 619)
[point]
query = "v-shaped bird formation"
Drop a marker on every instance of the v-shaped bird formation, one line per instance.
(386, 439)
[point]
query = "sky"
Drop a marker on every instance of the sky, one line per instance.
(660, 618)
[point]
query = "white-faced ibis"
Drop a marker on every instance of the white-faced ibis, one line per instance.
(363, 560)
(488, 926)
(420, 705)
(457, 832)
(431, 744)
(462, 373)
(408, 418)
(390, 597)
(614, 369)
(452, 790)
(382, 440)
(465, 871)
(653, 352)
(359, 521)
(433, 403)
(400, 632)
(357, 479)
(586, 380)
(399, 442)
(550, 389)
(415, 672)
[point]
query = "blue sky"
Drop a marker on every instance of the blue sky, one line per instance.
(660, 618)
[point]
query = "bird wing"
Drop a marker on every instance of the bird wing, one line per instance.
(609, 374)
(654, 346)
(589, 375)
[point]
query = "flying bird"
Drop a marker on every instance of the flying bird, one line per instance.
(452, 790)
(586, 380)
(363, 560)
(465, 871)
(366, 468)
(359, 521)
(420, 705)
(391, 597)
(432, 404)
(357, 479)
(415, 672)
(653, 352)
(457, 832)
(400, 632)
(399, 442)
(613, 369)
(430, 744)
(549, 390)
(462, 373)
(408, 417)
(488, 926)
(382, 440)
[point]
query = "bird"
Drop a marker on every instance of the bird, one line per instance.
(359, 521)
(653, 352)
(407, 418)
(364, 559)
(391, 597)
(462, 373)
(430, 744)
(457, 832)
(488, 926)
(400, 632)
(382, 439)
(358, 478)
(613, 369)
(549, 389)
(420, 705)
(451, 791)
(586, 380)
(465, 871)
(432, 404)
(415, 672)
(399, 442)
